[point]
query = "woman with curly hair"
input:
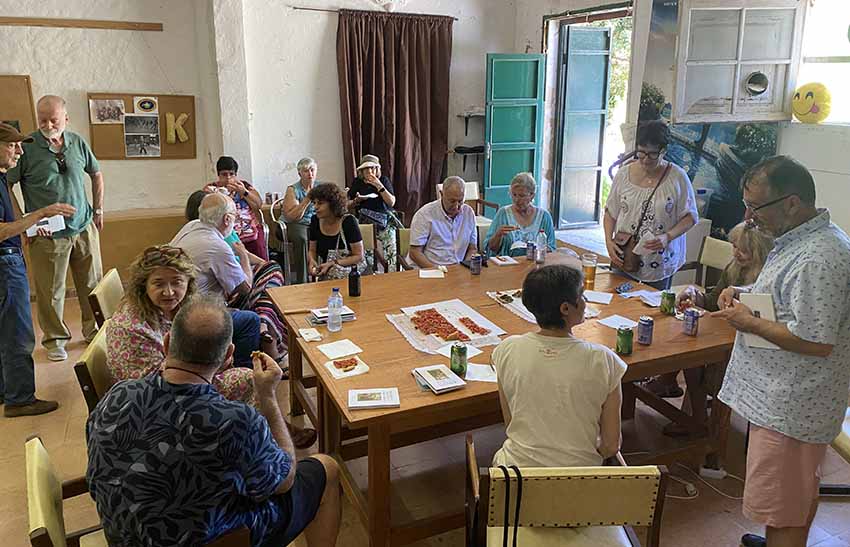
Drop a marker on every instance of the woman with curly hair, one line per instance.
(335, 240)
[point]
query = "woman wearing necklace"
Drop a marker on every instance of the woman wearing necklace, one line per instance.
(336, 243)
(298, 211)
(651, 204)
(516, 224)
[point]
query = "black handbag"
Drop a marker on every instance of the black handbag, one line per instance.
(506, 524)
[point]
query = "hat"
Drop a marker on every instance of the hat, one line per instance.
(367, 163)
(369, 157)
(10, 134)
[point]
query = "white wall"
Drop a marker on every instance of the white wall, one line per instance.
(72, 62)
(293, 90)
(823, 149)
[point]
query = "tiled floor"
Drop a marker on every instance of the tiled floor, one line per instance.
(426, 477)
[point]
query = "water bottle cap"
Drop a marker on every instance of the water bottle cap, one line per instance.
(336, 289)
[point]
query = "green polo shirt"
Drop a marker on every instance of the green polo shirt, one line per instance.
(42, 183)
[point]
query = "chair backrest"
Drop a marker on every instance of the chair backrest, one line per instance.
(482, 233)
(93, 376)
(368, 233)
(106, 296)
(841, 444)
(471, 191)
(403, 241)
(715, 253)
(44, 498)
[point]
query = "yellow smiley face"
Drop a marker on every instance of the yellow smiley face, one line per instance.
(811, 103)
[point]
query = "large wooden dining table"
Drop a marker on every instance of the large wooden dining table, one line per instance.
(348, 434)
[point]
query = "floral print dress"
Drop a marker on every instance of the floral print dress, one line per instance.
(135, 349)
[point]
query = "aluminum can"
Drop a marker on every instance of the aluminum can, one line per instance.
(268, 198)
(690, 325)
(458, 359)
(668, 303)
(645, 327)
(530, 249)
(475, 264)
(625, 340)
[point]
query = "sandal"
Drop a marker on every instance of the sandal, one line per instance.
(302, 437)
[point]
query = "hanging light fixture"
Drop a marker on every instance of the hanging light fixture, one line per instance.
(390, 5)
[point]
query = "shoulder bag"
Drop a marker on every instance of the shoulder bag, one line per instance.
(627, 241)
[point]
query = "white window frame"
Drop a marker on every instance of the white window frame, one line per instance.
(682, 63)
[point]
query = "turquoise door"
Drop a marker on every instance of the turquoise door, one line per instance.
(585, 54)
(514, 122)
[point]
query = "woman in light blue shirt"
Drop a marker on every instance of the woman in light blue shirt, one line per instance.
(519, 222)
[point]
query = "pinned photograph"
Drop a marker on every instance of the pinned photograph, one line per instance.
(106, 111)
(141, 125)
(142, 146)
(145, 105)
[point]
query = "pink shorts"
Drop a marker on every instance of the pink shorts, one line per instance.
(783, 478)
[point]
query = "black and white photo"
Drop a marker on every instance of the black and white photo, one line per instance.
(141, 146)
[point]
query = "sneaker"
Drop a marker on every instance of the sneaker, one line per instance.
(752, 540)
(32, 409)
(57, 354)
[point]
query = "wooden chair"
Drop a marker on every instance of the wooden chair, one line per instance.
(367, 231)
(280, 248)
(106, 297)
(482, 233)
(44, 503)
(472, 197)
(841, 445)
(565, 506)
(403, 247)
(92, 375)
(714, 254)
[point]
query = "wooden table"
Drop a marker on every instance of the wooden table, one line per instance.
(422, 416)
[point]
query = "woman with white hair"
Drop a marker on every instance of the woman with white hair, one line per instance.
(520, 222)
(371, 198)
(298, 211)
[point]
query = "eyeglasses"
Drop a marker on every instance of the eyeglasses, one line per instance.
(60, 160)
(640, 154)
(155, 253)
(753, 209)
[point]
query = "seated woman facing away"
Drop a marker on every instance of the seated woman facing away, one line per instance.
(560, 396)
(336, 244)
(751, 247)
(518, 223)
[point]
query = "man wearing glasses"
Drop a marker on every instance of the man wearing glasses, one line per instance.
(53, 170)
(17, 377)
(794, 395)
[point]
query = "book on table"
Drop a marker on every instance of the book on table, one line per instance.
(439, 378)
(382, 397)
(320, 315)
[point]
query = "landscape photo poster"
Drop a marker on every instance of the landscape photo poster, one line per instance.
(715, 155)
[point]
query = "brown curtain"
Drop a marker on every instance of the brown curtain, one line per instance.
(394, 97)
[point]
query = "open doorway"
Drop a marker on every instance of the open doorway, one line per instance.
(594, 59)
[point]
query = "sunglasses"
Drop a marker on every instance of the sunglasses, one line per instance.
(155, 253)
(60, 160)
(753, 209)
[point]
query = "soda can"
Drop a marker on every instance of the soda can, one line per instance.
(268, 198)
(645, 327)
(475, 264)
(668, 303)
(690, 324)
(276, 196)
(458, 359)
(625, 339)
(530, 249)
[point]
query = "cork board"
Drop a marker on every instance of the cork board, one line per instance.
(16, 104)
(107, 140)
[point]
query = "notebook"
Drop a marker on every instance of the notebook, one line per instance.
(439, 378)
(382, 397)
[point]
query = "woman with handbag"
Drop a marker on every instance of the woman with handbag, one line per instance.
(649, 209)
(335, 242)
(371, 199)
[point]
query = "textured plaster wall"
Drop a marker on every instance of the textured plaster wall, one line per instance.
(293, 91)
(72, 62)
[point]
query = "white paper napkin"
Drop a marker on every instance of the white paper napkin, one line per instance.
(480, 373)
(431, 274)
(338, 349)
(471, 351)
(618, 322)
(598, 297)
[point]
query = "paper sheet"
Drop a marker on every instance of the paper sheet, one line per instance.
(649, 299)
(519, 245)
(338, 349)
(310, 335)
(53, 224)
(640, 248)
(502, 260)
(762, 306)
(369, 196)
(427, 343)
(480, 373)
(598, 297)
(361, 368)
(618, 322)
(453, 310)
(471, 351)
(431, 274)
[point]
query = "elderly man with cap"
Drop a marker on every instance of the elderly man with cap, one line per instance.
(52, 170)
(17, 377)
(371, 197)
(443, 232)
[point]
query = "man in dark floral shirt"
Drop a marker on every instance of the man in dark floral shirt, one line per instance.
(172, 462)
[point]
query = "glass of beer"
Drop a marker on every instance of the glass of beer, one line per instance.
(588, 267)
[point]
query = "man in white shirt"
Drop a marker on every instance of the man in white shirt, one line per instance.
(443, 232)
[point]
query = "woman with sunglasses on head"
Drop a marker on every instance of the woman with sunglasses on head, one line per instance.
(651, 206)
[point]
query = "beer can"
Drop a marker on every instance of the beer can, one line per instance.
(458, 359)
(530, 249)
(475, 264)
(625, 339)
(276, 196)
(269, 198)
(690, 324)
(645, 327)
(668, 303)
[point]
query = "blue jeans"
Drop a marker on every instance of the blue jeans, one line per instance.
(246, 336)
(17, 339)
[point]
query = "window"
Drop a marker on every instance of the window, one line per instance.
(826, 54)
(737, 60)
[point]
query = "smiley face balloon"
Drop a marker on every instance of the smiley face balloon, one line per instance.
(811, 103)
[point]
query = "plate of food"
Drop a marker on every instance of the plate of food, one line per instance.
(346, 366)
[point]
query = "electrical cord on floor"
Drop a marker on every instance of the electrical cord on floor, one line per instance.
(692, 491)
(729, 475)
(690, 488)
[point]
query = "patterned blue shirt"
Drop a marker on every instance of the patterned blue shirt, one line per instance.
(808, 275)
(178, 464)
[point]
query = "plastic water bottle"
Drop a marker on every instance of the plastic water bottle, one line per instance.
(335, 311)
(540, 247)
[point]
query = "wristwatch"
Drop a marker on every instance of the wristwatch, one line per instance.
(98, 211)
(382, 190)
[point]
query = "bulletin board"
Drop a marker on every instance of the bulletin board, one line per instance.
(108, 139)
(16, 104)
